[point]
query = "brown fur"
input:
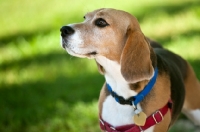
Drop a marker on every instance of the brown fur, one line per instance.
(156, 99)
(143, 70)
(102, 97)
(163, 126)
(192, 88)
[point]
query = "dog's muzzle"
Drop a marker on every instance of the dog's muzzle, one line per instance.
(65, 32)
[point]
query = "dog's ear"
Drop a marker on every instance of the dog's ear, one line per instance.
(135, 60)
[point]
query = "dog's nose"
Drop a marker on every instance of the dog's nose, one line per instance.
(66, 30)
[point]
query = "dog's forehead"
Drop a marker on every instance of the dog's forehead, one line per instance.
(96, 13)
(105, 13)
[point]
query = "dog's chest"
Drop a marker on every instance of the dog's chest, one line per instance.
(114, 77)
(117, 114)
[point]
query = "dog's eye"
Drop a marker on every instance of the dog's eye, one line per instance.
(101, 23)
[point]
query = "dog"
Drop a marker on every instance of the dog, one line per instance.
(146, 86)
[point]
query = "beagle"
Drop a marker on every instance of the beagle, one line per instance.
(146, 86)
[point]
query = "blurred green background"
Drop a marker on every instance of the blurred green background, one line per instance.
(43, 89)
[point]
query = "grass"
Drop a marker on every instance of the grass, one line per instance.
(42, 88)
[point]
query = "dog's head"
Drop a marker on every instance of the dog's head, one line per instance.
(115, 35)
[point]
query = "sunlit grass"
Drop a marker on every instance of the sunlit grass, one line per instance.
(29, 16)
(23, 47)
(172, 25)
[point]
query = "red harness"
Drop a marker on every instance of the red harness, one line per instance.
(152, 120)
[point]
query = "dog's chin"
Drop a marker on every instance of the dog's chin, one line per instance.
(89, 55)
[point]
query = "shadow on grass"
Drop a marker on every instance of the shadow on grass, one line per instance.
(30, 103)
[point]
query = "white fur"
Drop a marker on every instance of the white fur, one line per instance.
(114, 77)
(150, 129)
(75, 41)
(193, 115)
(117, 114)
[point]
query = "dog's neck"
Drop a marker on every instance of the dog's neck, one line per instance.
(114, 77)
(112, 111)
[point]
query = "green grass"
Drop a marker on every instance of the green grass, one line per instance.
(42, 88)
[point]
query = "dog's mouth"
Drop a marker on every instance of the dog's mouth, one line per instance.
(82, 54)
(89, 55)
(92, 53)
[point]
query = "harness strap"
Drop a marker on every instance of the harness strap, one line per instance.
(152, 120)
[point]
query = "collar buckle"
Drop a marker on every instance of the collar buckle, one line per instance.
(156, 121)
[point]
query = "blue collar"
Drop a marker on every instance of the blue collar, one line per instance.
(134, 100)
